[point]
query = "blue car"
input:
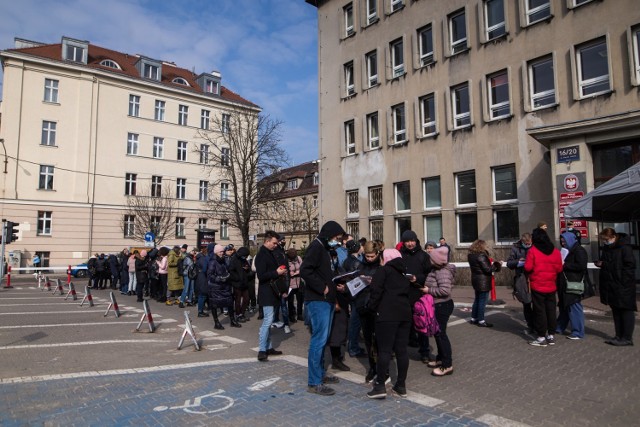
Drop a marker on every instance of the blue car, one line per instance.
(79, 271)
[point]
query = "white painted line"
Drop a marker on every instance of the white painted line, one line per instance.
(58, 325)
(424, 400)
(25, 305)
(205, 333)
(47, 312)
(496, 421)
(466, 320)
(38, 298)
(229, 340)
(166, 320)
(76, 344)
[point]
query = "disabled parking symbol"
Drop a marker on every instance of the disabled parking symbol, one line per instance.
(210, 404)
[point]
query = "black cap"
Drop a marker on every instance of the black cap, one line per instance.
(185, 246)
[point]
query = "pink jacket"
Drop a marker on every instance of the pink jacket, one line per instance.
(543, 269)
(163, 265)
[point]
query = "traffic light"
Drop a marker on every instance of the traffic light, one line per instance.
(12, 232)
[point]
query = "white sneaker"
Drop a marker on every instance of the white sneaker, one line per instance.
(287, 329)
(277, 324)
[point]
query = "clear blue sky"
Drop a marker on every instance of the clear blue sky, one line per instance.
(266, 50)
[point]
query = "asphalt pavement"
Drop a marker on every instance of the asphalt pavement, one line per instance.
(63, 364)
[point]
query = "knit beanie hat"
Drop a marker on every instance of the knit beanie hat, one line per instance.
(390, 254)
(218, 248)
(439, 255)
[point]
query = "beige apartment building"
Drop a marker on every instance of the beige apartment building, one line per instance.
(84, 127)
(473, 119)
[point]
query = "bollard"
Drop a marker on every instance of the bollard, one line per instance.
(69, 275)
(87, 297)
(72, 292)
(188, 329)
(40, 280)
(47, 284)
(8, 285)
(58, 287)
(147, 315)
(113, 304)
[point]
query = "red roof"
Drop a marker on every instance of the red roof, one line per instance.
(127, 62)
(304, 171)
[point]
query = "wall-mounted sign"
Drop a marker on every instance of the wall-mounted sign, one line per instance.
(568, 154)
(571, 182)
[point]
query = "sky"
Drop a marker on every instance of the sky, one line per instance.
(266, 50)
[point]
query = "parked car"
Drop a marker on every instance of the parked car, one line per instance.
(80, 270)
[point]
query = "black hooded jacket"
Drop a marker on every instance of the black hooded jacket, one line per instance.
(316, 268)
(419, 264)
(617, 275)
(390, 293)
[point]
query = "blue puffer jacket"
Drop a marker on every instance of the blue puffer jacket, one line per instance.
(220, 292)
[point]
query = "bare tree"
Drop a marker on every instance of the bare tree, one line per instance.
(241, 148)
(298, 216)
(151, 212)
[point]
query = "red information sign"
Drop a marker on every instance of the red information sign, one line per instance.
(565, 200)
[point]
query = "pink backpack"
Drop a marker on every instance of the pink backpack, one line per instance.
(424, 316)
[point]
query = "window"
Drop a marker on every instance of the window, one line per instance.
(48, 133)
(156, 186)
(316, 178)
(314, 202)
(180, 226)
(204, 154)
(494, 19)
(505, 187)
(204, 119)
(376, 230)
(224, 191)
(460, 103)
(226, 123)
(349, 85)
(50, 90)
(129, 225)
(46, 178)
(110, 64)
(593, 68)
(375, 201)
(349, 137)
(159, 111)
(467, 227)
(158, 147)
(396, 5)
(372, 68)
(507, 227)
(425, 45)
(134, 105)
(181, 188)
(432, 196)
(537, 10)
(45, 220)
(151, 71)
(428, 115)
(348, 20)
(224, 229)
(466, 188)
(372, 11)
(432, 228)
(373, 135)
(225, 156)
(182, 151)
(399, 125)
(74, 53)
(130, 180)
(353, 228)
(498, 90)
(183, 115)
(635, 47)
(457, 32)
(542, 83)
(403, 196)
(132, 144)
(202, 223)
(576, 3)
(180, 81)
(292, 184)
(353, 202)
(203, 191)
(212, 86)
(397, 57)
(402, 224)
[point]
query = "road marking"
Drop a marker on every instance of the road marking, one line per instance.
(24, 305)
(66, 324)
(466, 320)
(496, 421)
(263, 384)
(47, 312)
(76, 344)
(197, 402)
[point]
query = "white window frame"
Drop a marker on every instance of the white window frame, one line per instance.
(204, 154)
(314, 201)
(493, 107)
(528, 13)
(373, 198)
(133, 143)
(150, 71)
(460, 242)
(212, 87)
(349, 28)
(457, 177)
(180, 226)
(225, 156)
(130, 183)
(395, 5)
(51, 90)
(496, 239)
(572, 4)
(159, 110)
(349, 79)
(376, 223)
(424, 193)
(462, 44)
(129, 225)
(292, 184)
(424, 124)
(373, 124)
(183, 115)
(494, 188)
(110, 64)
(182, 151)
(180, 81)
(395, 196)
(202, 223)
(633, 41)
(158, 147)
(225, 123)
(372, 11)
(203, 191)
(426, 57)
(353, 204)
(45, 177)
(224, 191)
(350, 137)
(45, 223)
(396, 224)
(156, 186)
(134, 105)
(425, 221)
(399, 123)
(181, 188)
(224, 229)
(533, 97)
(577, 61)
(205, 118)
(486, 28)
(457, 116)
(397, 64)
(371, 62)
(78, 51)
(316, 178)
(49, 131)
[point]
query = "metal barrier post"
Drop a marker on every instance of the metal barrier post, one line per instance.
(113, 304)
(188, 329)
(72, 292)
(69, 274)
(87, 297)
(58, 287)
(8, 285)
(147, 315)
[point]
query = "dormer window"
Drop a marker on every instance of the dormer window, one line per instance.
(213, 87)
(180, 81)
(316, 178)
(149, 69)
(274, 188)
(292, 184)
(111, 64)
(210, 83)
(74, 50)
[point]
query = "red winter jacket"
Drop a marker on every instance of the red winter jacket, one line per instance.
(543, 269)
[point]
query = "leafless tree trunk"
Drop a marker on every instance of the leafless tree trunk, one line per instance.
(155, 214)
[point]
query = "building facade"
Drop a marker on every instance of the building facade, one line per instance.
(446, 116)
(86, 127)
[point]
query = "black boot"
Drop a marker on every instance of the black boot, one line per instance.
(234, 321)
(218, 325)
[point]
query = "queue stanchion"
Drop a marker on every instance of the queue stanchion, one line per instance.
(8, 285)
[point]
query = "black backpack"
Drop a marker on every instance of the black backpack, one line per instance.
(193, 270)
(181, 266)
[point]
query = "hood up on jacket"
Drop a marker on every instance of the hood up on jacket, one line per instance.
(541, 241)
(330, 229)
(243, 252)
(570, 239)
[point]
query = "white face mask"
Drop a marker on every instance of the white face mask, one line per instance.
(334, 243)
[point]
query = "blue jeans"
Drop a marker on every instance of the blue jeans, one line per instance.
(574, 314)
(264, 335)
(284, 310)
(202, 298)
(354, 331)
(187, 291)
(479, 303)
(319, 315)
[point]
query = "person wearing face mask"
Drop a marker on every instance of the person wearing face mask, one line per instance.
(515, 262)
(618, 284)
(574, 269)
(319, 303)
